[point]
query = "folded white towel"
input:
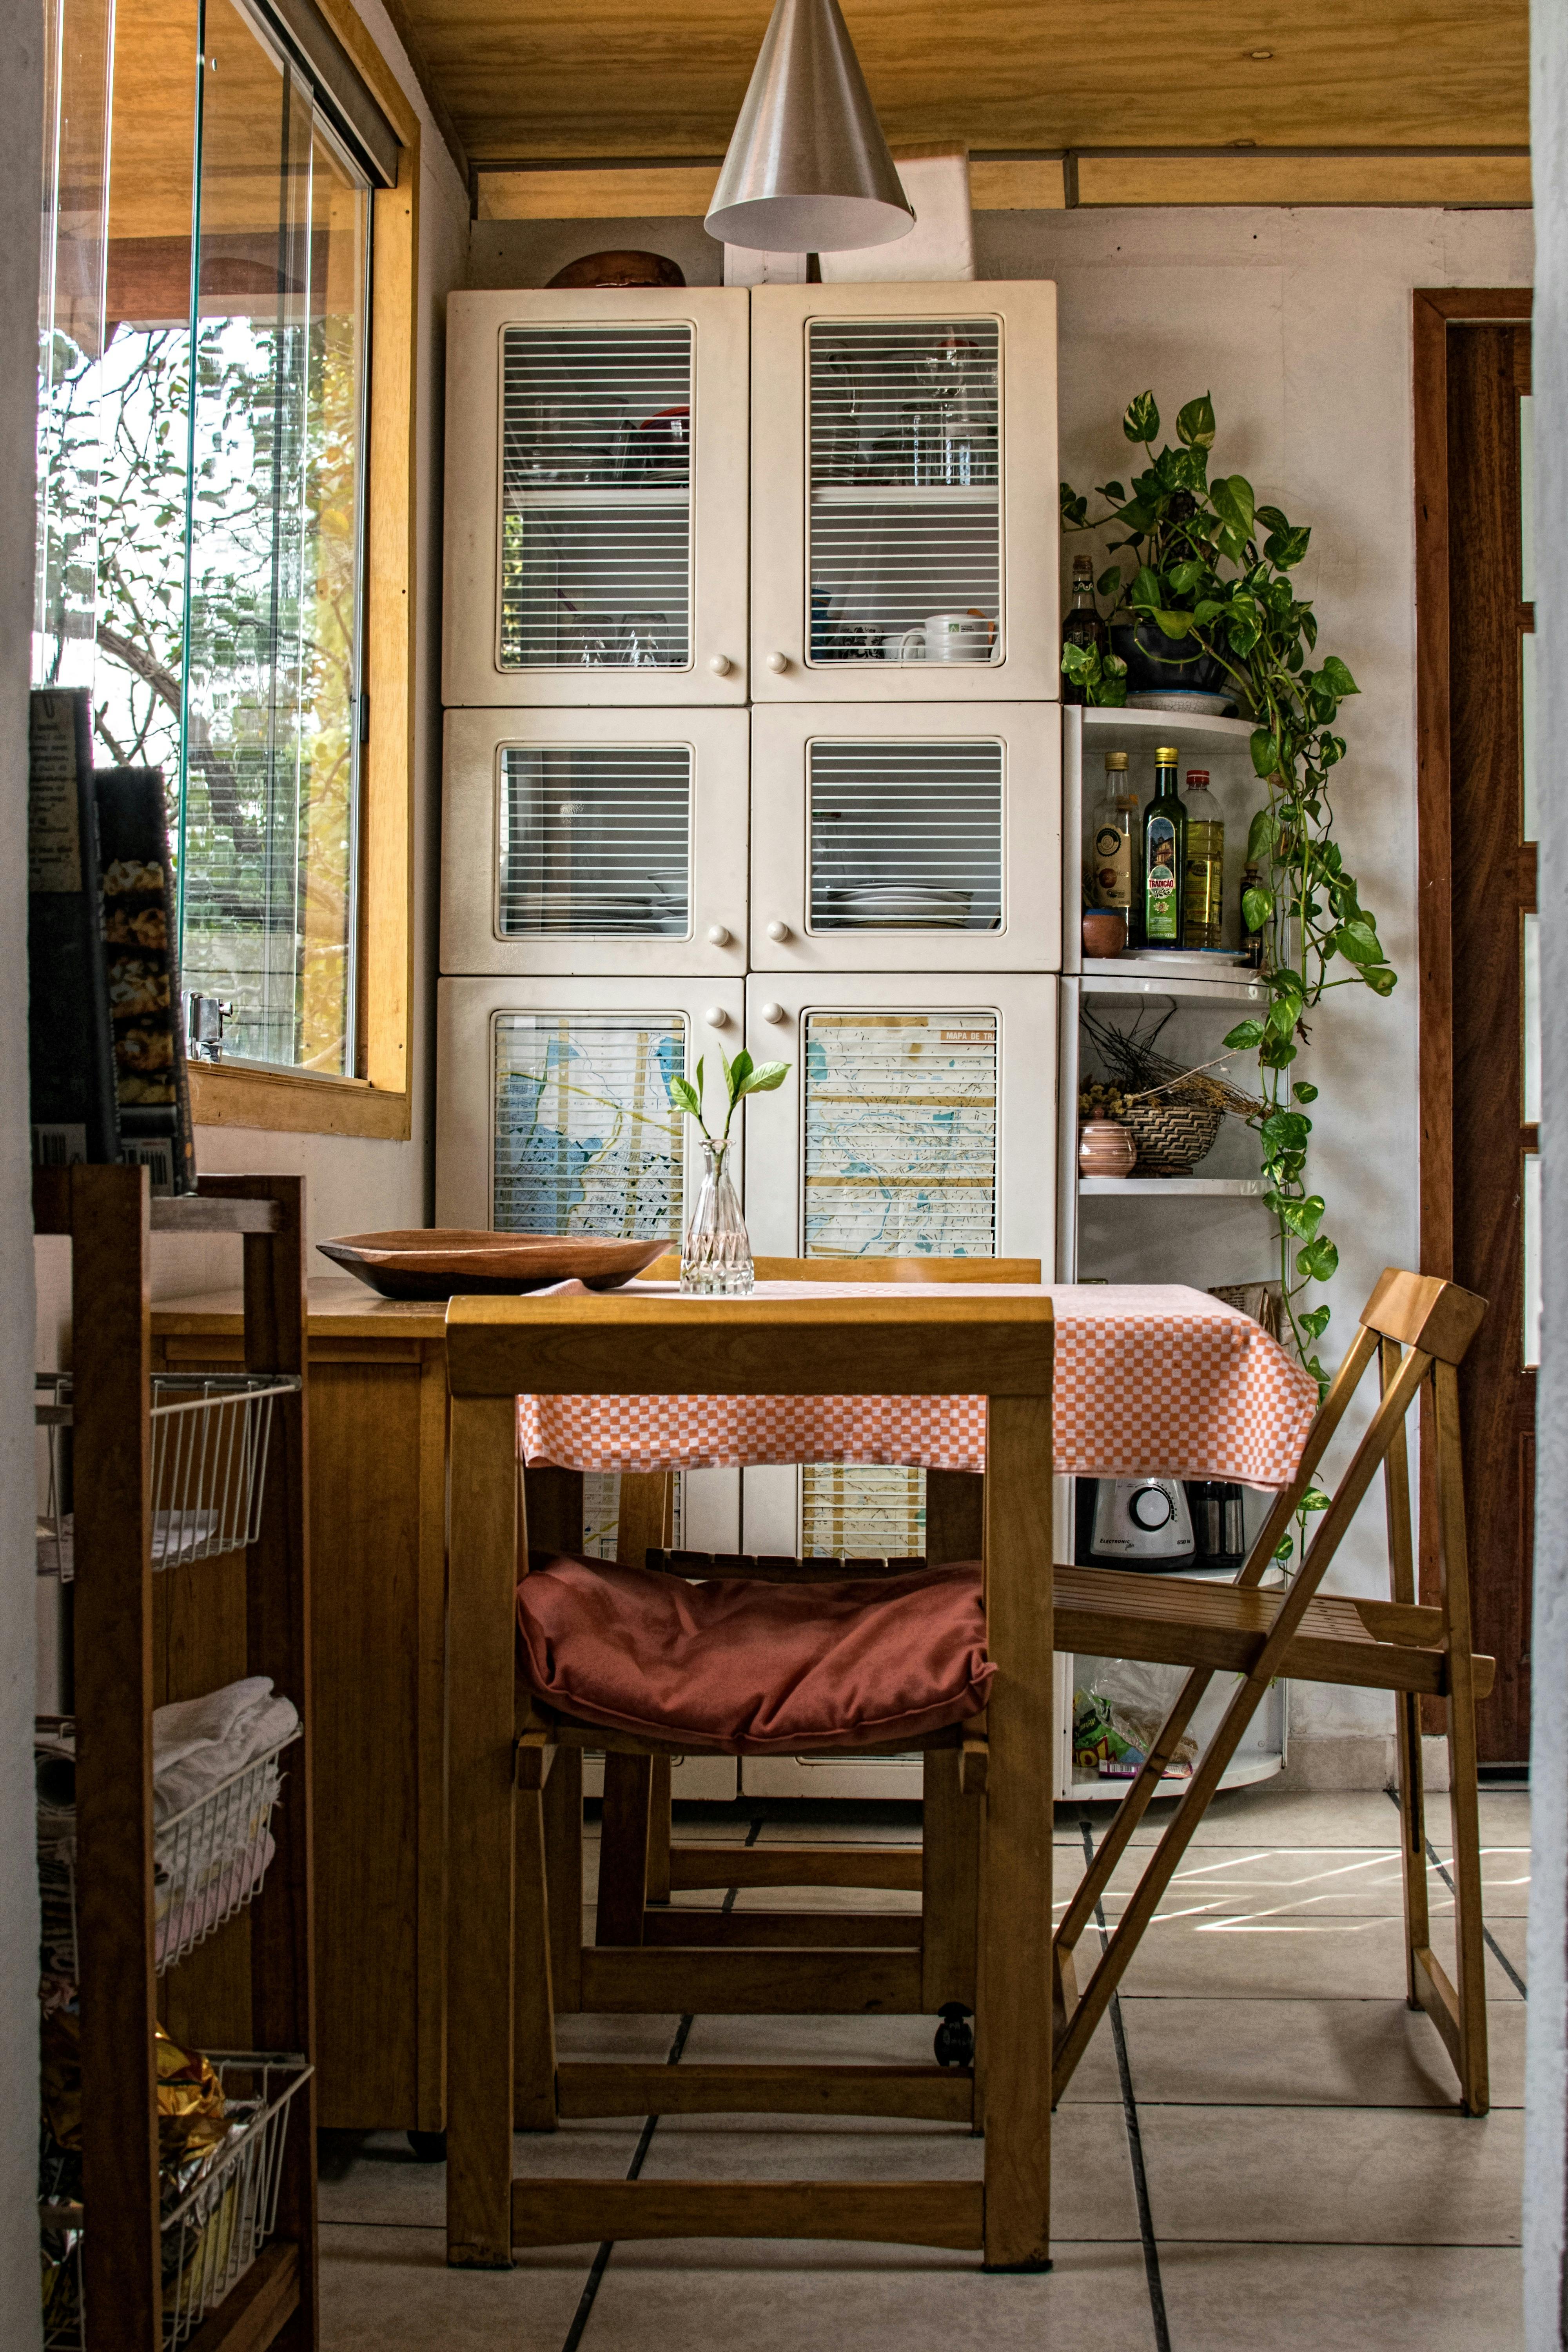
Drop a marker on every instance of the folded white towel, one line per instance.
(199, 1742)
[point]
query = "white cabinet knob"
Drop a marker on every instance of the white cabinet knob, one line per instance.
(778, 661)
(718, 937)
(772, 1012)
(721, 665)
(716, 1017)
(779, 931)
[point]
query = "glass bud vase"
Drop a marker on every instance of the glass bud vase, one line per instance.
(716, 1262)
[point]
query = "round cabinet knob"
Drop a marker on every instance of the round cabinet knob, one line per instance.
(721, 665)
(716, 1017)
(718, 937)
(778, 661)
(1151, 1508)
(772, 1012)
(779, 931)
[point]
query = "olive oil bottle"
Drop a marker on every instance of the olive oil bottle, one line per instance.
(1164, 859)
(1203, 896)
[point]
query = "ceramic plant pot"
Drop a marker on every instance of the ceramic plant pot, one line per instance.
(1105, 1148)
(1157, 663)
(1104, 931)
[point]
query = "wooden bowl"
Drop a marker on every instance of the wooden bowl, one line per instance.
(445, 1262)
(1104, 931)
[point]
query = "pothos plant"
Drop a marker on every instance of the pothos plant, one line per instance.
(741, 1077)
(1212, 576)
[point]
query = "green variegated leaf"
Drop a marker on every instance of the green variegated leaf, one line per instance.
(1195, 424)
(1142, 421)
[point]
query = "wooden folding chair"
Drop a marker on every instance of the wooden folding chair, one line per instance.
(501, 2056)
(1418, 1328)
(638, 1862)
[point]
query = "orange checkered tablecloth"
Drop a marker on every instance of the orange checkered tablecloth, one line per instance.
(1152, 1380)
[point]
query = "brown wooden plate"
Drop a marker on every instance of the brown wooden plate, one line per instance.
(442, 1263)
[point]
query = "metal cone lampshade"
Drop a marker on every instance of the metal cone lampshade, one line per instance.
(808, 169)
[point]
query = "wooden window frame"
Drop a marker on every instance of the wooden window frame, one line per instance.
(378, 1103)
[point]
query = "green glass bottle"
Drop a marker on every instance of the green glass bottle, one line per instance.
(1164, 856)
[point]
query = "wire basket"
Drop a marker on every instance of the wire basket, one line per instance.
(209, 1861)
(212, 2236)
(210, 1436)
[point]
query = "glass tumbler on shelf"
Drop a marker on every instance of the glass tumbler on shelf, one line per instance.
(716, 1260)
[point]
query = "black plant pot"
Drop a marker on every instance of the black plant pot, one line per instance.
(1155, 663)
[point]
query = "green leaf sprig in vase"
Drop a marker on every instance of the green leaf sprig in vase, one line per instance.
(716, 1254)
(1210, 574)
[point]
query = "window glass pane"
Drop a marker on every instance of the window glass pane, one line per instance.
(905, 517)
(270, 746)
(586, 1140)
(1531, 1260)
(1532, 1113)
(595, 841)
(866, 1511)
(900, 1134)
(596, 498)
(1527, 732)
(1527, 498)
(73, 227)
(906, 837)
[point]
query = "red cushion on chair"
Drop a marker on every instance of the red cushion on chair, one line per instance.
(750, 1668)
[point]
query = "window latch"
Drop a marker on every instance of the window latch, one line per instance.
(204, 1017)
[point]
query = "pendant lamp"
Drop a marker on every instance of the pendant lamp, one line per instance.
(808, 169)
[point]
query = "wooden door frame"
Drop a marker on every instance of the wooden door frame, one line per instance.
(1433, 310)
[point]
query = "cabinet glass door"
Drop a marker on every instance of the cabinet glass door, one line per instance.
(554, 1110)
(588, 508)
(923, 840)
(595, 841)
(916, 429)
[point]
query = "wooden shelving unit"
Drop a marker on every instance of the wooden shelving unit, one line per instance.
(110, 1218)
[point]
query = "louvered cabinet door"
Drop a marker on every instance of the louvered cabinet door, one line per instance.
(552, 1102)
(904, 459)
(595, 497)
(899, 840)
(595, 841)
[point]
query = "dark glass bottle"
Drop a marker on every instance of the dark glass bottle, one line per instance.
(1164, 861)
(1083, 625)
(1253, 944)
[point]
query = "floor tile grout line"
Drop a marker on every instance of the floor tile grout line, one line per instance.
(1493, 1947)
(1157, 2316)
(607, 2247)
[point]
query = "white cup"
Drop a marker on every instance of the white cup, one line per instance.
(904, 645)
(957, 636)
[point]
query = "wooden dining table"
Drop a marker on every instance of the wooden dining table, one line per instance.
(377, 1441)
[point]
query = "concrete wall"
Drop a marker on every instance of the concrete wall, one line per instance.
(1546, 2059)
(1299, 323)
(21, 116)
(353, 1185)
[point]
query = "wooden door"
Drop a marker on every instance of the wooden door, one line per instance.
(1479, 997)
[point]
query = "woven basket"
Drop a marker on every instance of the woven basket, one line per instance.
(1172, 1135)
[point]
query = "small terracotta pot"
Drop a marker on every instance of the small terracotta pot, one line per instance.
(1104, 931)
(1105, 1148)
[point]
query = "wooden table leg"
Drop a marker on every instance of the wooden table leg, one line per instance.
(1016, 2019)
(481, 1885)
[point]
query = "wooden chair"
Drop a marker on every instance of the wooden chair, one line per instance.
(637, 1863)
(1417, 1328)
(619, 1345)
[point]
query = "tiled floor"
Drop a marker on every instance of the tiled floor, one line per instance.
(1272, 2158)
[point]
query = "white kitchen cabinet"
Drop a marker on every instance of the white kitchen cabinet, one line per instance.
(595, 841)
(596, 498)
(552, 1106)
(923, 838)
(904, 479)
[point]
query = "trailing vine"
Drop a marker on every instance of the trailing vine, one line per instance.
(1211, 577)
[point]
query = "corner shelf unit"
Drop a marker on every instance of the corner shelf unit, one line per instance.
(1213, 1229)
(243, 2274)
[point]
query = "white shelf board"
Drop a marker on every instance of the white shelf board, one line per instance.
(1220, 983)
(1168, 722)
(1149, 1188)
(1242, 1772)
